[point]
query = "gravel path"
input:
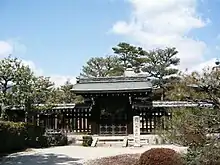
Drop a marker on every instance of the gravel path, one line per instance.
(73, 155)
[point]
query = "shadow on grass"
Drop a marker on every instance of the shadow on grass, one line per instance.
(39, 159)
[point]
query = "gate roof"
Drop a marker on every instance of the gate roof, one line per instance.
(112, 84)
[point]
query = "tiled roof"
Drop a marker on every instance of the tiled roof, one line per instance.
(112, 84)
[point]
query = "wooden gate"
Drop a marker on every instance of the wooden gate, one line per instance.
(113, 124)
(113, 117)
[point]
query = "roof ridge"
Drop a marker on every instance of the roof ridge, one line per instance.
(112, 79)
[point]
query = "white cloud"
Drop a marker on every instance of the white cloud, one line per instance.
(18, 47)
(14, 46)
(61, 79)
(204, 65)
(5, 49)
(156, 23)
(37, 71)
(58, 80)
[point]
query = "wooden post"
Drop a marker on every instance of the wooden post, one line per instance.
(33, 119)
(38, 120)
(26, 117)
(56, 122)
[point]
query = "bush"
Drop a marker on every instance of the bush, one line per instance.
(205, 155)
(35, 136)
(19, 135)
(87, 141)
(125, 159)
(56, 139)
(160, 156)
(12, 136)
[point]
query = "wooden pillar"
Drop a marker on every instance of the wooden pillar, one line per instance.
(56, 122)
(94, 127)
(26, 117)
(33, 119)
(67, 122)
(38, 120)
(129, 111)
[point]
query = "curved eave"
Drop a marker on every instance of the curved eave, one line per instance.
(79, 91)
(112, 87)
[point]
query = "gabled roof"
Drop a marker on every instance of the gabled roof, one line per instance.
(112, 84)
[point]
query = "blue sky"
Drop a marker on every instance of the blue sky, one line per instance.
(59, 36)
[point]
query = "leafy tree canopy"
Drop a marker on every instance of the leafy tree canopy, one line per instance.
(63, 95)
(129, 54)
(160, 64)
(195, 127)
(157, 63)
(102, 67)
(19, 86)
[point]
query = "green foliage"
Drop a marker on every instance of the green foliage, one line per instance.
(41, 90)
(15, 82)
(129, 54)
(205, 155)
(187, 127)
(102, 67)
(12, 136)
(160, 65)
(160, 156)
(194, 127)
(35, 136)
(17, 136)
(157, 63)
(63, 95)
(87, 141)
(19, 86)
(57, 139)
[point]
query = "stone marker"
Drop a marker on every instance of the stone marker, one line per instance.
(125, 142)
(94, 142)
(136, 131)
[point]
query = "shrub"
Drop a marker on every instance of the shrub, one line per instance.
(56, 139)
(35, 136)
(205, 155)
(87, 141)
(12, 136)
(18, 135)
(160, 156)
(125, 159)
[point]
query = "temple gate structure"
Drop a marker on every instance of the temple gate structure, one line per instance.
(113, 102)
(110, 103)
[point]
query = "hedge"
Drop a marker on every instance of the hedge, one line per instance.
(87, 141)
(19, 135)
(160, 156)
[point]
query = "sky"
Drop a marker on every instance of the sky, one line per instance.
(56, 38)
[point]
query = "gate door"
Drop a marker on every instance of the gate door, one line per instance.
(113, 124)
(113, 116)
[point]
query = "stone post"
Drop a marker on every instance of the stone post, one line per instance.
(136, 131)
